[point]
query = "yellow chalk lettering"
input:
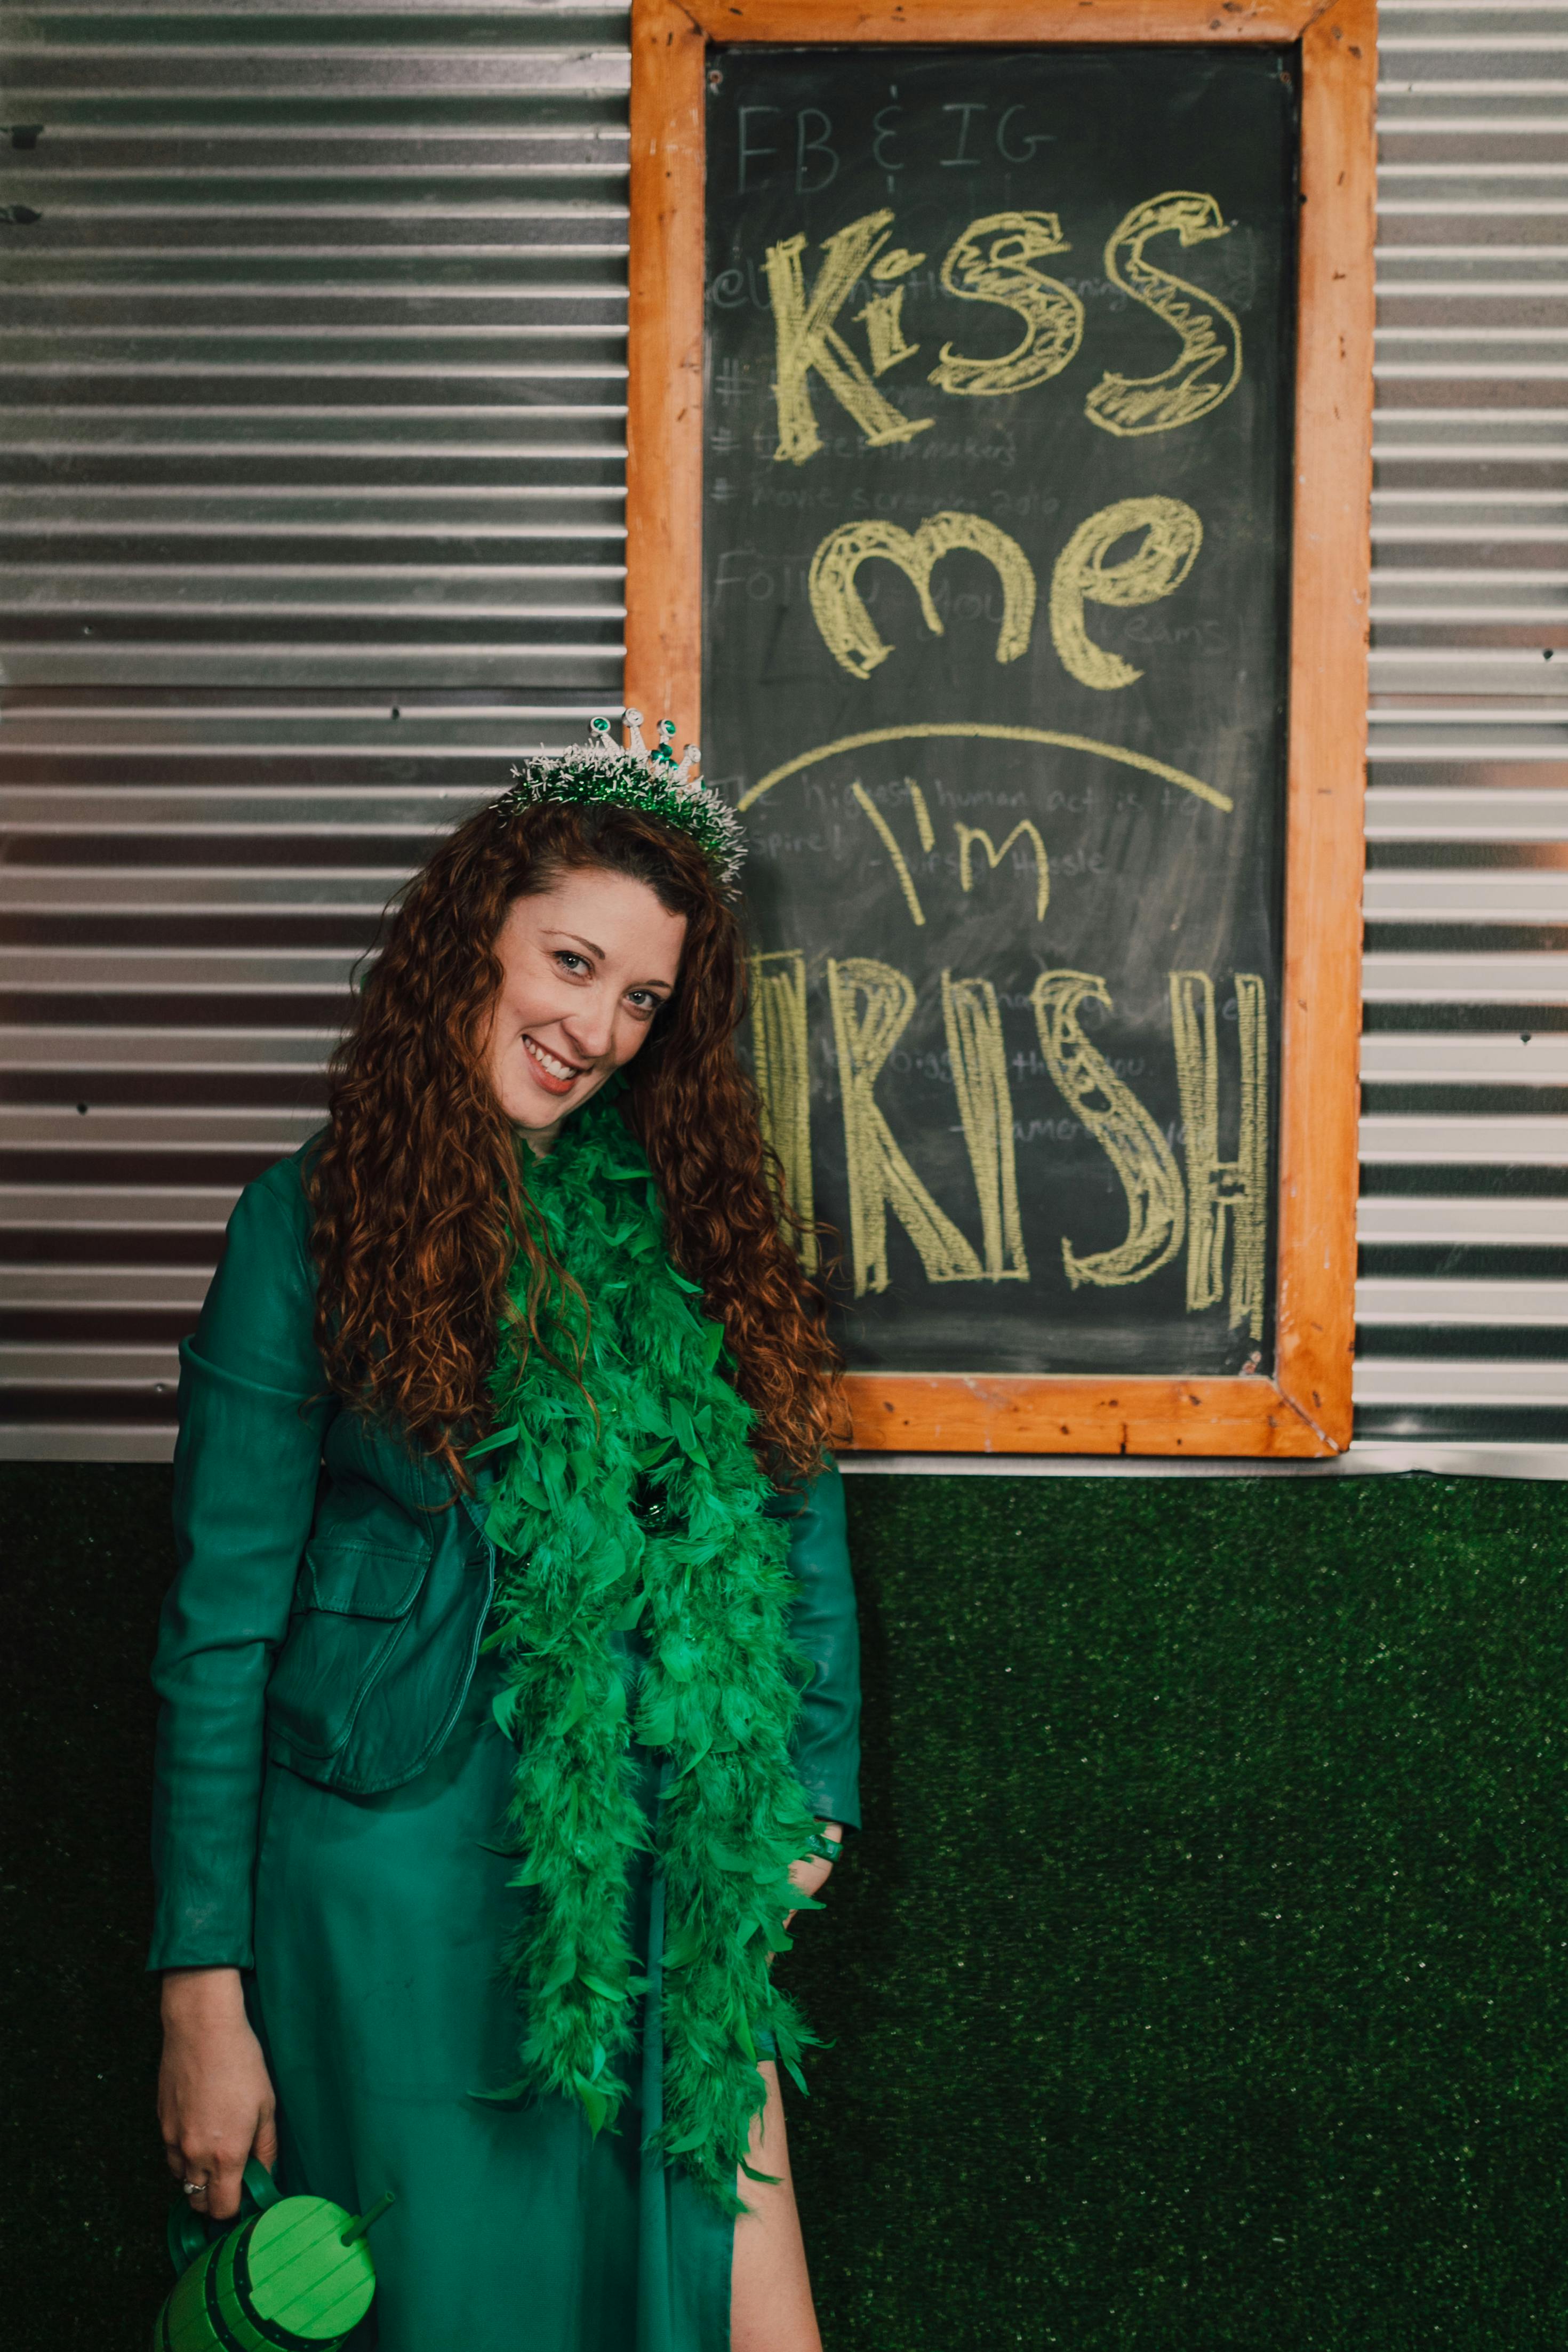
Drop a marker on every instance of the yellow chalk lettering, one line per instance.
(871, 1006)
(1224, 1192)
(968, 834)
(805, 337)
(1173, 535)
(978, 1056)
(1143, 1161)
(781, 1056)
(897, 262)
(993, 261)
(847, 629)
(1207, 368)
(906, 879)
(884, 318)
(981, 731)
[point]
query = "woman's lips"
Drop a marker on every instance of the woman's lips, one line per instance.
(555, 1075)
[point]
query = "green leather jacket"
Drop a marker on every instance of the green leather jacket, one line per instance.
(333, 1592)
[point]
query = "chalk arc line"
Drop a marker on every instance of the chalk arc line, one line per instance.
(985, 730)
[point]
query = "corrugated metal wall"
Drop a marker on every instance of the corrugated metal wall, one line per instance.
(313, 377)
(1464, 1298)
(313, 388)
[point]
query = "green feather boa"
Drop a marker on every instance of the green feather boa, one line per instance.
(644, 1507)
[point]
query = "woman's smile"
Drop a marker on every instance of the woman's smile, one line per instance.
(549, 1071)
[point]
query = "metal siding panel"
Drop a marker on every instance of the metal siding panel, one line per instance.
(1467, 812)
(313, 369)
(314, 356)
(313, 468)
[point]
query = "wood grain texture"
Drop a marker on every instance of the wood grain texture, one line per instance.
(912, 1413)
(664, 404)
(1308, 1411)
(1011, 22)
(1324, 854)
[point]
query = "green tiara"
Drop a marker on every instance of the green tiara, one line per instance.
(656, 782)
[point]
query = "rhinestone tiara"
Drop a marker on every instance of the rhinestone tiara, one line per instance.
(631, 776)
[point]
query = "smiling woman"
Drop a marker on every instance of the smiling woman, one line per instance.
(569, 1010)
(509, 1678)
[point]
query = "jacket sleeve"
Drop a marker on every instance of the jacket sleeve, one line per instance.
(252, 1415)
(824, 1625)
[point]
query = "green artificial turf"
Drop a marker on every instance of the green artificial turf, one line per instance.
(1201, 1980)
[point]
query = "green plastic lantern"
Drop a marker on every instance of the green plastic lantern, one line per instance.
(291, 2272)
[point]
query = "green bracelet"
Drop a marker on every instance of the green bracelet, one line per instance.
(826, 1848)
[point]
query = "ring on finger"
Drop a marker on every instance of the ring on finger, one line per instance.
(194, 2187)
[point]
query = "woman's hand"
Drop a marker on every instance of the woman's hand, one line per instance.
(806, 1877)
(216, 2105)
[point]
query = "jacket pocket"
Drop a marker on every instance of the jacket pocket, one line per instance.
(349, 1579)
(352, 1610)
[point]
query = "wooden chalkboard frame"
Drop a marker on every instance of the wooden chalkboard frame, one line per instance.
(1304, 1408)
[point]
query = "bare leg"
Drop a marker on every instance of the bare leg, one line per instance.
(770, 2292)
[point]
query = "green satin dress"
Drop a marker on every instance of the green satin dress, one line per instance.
(379, 1923)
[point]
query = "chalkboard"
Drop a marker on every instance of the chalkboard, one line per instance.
(998, 474)
(997, 402)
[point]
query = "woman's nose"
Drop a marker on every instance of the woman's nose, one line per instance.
(589, 1029)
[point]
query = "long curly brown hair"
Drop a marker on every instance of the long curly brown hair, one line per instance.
(419, 1196)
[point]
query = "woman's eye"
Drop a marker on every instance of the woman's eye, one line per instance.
(573, 962)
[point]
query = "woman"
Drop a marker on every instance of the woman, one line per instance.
(509, 1538)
